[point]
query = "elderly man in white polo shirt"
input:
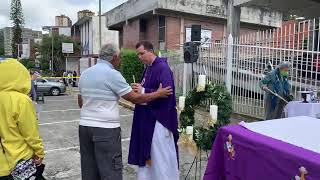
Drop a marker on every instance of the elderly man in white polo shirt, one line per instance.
(101, 87)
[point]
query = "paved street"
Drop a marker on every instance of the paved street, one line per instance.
(59, 121)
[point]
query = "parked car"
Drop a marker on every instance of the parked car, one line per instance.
(49, 87)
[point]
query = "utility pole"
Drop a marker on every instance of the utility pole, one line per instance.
(100, 42)
(51, 51)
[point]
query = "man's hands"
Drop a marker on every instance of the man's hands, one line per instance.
(161, 92)
(137, 87)
(139, 98)
(164, 92)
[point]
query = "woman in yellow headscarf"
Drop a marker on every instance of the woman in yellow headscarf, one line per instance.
(19, 134)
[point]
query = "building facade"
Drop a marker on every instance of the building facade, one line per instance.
(24, 48)
(87, 30)
(85, 13)
(1, 42)
(167, 24)
(63, 21)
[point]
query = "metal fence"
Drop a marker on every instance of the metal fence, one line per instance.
(250, 57)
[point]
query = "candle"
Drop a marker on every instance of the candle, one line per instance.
(189, 130)
(202, 82)
(214, 112)
(182, 101)
(134, 79)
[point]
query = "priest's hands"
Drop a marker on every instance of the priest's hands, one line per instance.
(164, 92)
(137, 88)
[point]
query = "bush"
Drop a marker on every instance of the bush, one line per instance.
(28, 63)
(130, 65)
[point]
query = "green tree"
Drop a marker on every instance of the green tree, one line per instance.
(1, 50)
(58, 57)
(130, 65)
(16, 16)
(28, 63)
(1, 43)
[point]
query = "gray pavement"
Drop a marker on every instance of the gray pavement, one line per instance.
(58, 122)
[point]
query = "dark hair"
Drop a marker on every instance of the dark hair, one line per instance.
(146, 44)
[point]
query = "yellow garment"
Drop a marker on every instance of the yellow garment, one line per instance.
(18, 123)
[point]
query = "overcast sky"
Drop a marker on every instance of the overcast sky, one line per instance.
(38, 13)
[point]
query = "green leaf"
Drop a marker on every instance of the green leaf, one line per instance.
(204, 136)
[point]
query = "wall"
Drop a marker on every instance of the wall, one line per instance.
(152, 34)
(218, 9)
(72, 64)
(210, 8)
(27, 35)
(173, 25)
(85, 37)
(261, 16)
(7, 41)
(1, 42)
(89, 32)
(129, 10)
(131, 34)
(216, 28)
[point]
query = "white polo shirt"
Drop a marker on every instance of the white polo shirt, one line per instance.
(101, 87)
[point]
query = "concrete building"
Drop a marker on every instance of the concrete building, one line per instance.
(75, 31)
(1, 42)
(85, 13)
(88, 30)
(58, 30)
(63, 21)
(167, 23)
(305, 8)
(27, 36)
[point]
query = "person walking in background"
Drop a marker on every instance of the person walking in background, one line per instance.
(70, 79)
(20, 142)
(154, 135)
(33, 91)
(64, 76)
(277, 82)
(74, 82)
(101, 87)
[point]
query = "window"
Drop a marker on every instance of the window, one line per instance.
(41, 80)
(162, 28)
(143, 25)
(162, 21)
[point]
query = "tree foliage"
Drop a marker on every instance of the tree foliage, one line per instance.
(131, 66)
(16, 16)
(28, 63)
(216, 94)
(1, 50)
(45, 49)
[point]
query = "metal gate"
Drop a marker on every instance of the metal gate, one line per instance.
(240, 63)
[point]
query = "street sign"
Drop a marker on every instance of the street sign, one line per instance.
(67, 48)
